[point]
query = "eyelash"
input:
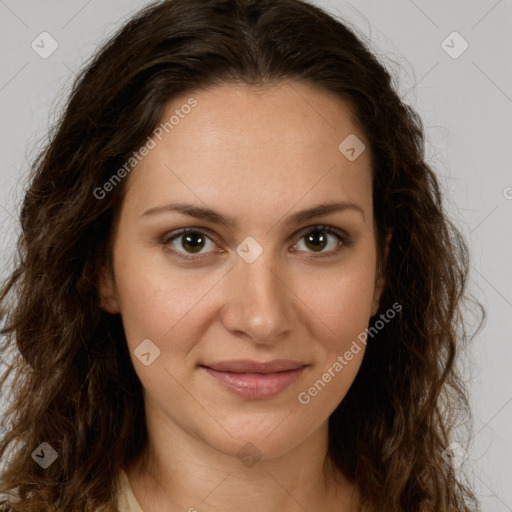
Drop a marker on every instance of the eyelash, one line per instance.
(345, 240)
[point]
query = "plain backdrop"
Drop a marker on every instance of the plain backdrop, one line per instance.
(453, 63)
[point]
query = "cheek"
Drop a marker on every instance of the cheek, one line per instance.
(147, 307)
(155, 308)
(339, 301)
(169, 306)
(342, 305)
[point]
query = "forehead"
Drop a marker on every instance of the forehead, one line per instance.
(254, 146)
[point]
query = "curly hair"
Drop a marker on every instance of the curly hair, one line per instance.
(72, 381)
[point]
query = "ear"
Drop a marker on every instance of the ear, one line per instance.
(379, 280)
(107, 291)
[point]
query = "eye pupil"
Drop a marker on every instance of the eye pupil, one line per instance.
(316, 237)
(194, 240)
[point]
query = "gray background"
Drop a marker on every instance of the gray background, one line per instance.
(466, 106)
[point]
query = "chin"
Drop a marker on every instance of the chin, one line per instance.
(264, 440)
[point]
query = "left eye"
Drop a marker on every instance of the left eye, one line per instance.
(316, 239)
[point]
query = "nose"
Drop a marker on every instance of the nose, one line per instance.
(260, 303)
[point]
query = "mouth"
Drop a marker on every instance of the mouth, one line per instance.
(254, 380)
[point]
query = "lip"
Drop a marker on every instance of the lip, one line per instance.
(254, 380)
(250, 366)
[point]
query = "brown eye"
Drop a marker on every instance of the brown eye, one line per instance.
(323, 240)
(189, 241)
(316, 240)
(193, 242)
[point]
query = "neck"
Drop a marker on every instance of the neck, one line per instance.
(184, 473)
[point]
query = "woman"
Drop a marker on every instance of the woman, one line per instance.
(236, 282)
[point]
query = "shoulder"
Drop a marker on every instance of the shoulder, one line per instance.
(4, 507)
(126, 498)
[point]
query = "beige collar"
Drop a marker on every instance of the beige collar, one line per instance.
(127, 501)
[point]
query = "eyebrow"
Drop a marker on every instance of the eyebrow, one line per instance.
(207, 214)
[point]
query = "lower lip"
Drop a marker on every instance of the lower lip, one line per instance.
(256, 385)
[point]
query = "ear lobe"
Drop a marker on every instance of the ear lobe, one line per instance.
(379, 286)
(107, 292)
(380, 281)
(388, 243)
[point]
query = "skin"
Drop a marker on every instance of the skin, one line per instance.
(257, 154)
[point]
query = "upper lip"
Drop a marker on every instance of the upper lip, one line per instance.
(248, 366)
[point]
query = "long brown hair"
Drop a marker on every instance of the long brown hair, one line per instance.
(73, 385)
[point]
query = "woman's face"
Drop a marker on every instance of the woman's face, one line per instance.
(264, 286)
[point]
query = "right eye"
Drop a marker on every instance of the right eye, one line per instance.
(187, 242)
